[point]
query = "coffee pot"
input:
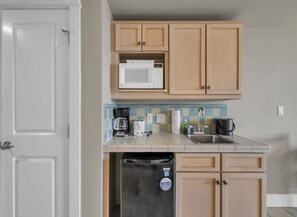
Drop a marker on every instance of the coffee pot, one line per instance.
(121, 123)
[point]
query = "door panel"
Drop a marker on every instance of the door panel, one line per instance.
(187, 58)
(223, 58)
(35, 113)
(244, 195)
(40, 117)
(37, 174)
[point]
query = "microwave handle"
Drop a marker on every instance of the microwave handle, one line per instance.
(121, 76)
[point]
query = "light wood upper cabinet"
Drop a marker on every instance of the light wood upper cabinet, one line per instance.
(155, 37)
(128, 37)
(223, 58)
(187, 58)
(196, 72)
(197, 195)
(203, 58)
(141, 37)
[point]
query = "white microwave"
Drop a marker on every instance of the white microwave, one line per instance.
(137, 74)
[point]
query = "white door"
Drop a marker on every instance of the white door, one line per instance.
(35, 113)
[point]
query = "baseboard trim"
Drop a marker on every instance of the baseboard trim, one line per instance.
(281, 200)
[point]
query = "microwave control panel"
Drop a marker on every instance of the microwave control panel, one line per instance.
(158, 76)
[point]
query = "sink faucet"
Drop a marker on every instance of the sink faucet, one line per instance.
(201, 113)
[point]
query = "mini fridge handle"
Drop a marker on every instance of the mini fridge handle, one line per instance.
(146, 162)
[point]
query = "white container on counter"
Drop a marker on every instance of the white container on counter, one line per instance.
(139, 127)
(175, 122)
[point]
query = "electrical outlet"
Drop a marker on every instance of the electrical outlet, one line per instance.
(161, 118)
(280, 110)
(149, 118)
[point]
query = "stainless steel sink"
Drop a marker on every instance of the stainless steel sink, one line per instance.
(208, 139)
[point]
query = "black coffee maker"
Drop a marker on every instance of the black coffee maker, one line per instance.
(121, 123)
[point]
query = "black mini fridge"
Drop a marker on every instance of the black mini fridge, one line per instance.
(147, 185)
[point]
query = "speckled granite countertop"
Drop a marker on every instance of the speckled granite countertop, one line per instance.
(166, 142)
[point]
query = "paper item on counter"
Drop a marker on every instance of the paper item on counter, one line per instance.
(175, 122)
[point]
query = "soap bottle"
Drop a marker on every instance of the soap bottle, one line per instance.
(185, 125)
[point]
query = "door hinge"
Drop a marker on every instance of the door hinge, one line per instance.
(67, 33)
(68, 130)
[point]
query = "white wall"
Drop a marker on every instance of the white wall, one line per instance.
(91, 108)
(270, 79)
(96, 18)
(106, 51)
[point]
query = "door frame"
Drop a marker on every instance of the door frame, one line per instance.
(74, 8)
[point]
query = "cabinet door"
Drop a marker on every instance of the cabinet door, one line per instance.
(197, 195)
(244, 195)
(223, 58)
(128, 37)
(187, 58)
(155, 37)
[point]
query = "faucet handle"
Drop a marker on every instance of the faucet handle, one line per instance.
(194, 129)
(201, 111)
(190, 130)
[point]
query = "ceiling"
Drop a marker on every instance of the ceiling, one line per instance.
(253, 13)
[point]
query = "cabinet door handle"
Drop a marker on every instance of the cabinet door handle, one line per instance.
(218, 182)
(203, 87)
(209, 87)
(139, 43)
(143, 43)
(225, 182)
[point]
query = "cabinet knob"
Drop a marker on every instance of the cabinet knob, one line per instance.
(203, 87)
(225, 182)
(139, 43)
(143, 43)
(208, 87)
(218, 182)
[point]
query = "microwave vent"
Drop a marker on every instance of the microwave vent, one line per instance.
(141, 61)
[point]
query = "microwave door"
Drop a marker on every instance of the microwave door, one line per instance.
(136, 76)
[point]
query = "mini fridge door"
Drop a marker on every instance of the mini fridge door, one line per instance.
(147, 188)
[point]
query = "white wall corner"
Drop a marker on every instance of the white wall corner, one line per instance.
(281, 200)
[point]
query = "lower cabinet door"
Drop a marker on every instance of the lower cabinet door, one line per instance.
(197, 194)
(244, 195)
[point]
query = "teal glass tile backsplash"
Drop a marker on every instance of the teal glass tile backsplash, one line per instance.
(189, 112)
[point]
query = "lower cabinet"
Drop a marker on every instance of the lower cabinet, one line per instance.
(197, 194)
(221, 193)
(243, 194)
